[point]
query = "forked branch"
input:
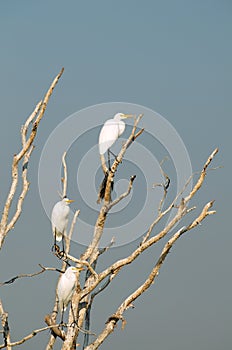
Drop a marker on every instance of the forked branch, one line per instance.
(25, 154)
(148, 242)
(127, 303)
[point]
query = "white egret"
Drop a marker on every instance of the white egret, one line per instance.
(111, 131)
(59, 219)
(66, 287)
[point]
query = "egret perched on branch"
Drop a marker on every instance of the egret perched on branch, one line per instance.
(59, 219)
(110, 132)
(66, 287)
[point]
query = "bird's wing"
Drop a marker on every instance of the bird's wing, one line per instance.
(121, 127)
(57, 227)
(65, 290)
(108, 135)
(59, 219)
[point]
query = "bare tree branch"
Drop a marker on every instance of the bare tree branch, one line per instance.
(88, 311)
(5, 326)
(95, 283)
(54, 328)
(109, 245)
(69, 237)
(202, 176)
(164, 185)
(123, 195)
(115, 267)
(65, 178)
(103, 164)
(27, 337)
(77, 212)
(25, 152)
(118, 315)
(23, 275)
(145, 244)
(24, 129)
(72, 332)
(83, 263)
(187, 198)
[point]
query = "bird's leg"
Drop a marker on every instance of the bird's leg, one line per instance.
(62, 317)
(108, 153)
(63, 244)
(74, 322)
(62, 253)
(55, 246)
(57, 305)
(116, 157)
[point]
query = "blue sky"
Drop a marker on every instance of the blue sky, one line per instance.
(173, 57)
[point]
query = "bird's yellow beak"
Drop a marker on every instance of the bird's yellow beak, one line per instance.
(70, 200)
(79, 269)
(124, 116)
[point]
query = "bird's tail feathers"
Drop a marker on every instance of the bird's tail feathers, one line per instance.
(102, 189)
(58, 235)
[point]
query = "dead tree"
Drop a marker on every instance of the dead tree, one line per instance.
(96, 281)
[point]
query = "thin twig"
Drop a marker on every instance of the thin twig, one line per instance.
(68, 238)
(23, 275)
(83, 263)
(29, 336)
(73, 224)
(123, 195)
(104, 249)
(65, 177)
(202, 176)
(187, 198)
(164, 185)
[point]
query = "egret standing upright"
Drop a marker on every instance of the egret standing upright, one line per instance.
(59, 219)
(110, 132)
(66, 287)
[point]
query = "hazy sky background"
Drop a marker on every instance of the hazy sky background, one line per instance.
(173, 57)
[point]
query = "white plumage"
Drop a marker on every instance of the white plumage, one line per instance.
(59, 218)
(66, 287)
(111, 131)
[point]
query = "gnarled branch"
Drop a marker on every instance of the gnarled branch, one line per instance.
(25, 153)
(118, 315)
